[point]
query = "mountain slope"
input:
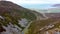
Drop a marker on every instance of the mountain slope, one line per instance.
(56, 5)
(9, 6)
(14, 17)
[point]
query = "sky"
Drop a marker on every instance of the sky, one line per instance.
(37, 4)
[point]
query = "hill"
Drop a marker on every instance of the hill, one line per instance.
(53, 15)
(56, 5)
(14, 17)
(41, 26)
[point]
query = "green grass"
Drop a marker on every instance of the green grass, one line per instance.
(16, 15)
(26, 14)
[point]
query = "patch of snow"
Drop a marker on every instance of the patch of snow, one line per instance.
(23, 22)
(41, 28)
(11, 29)
(50, 26)
(1, 17)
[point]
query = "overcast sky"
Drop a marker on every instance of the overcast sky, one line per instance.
(31, 3)
(35, 1)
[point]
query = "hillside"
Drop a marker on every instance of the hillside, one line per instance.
(41, 26)
(14, 17)
(56, 5)
(53, 15)
(50, 25)
(11, 7)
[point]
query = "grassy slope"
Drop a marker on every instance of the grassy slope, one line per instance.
(13, 14)
(36, 25)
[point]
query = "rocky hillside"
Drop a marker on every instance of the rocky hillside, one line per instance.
(14, 18)
(41, 26)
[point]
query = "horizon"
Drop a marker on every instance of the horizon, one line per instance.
(37, 4)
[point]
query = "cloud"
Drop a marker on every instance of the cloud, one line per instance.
(29, 1)
(35, 1)
(52, 1)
